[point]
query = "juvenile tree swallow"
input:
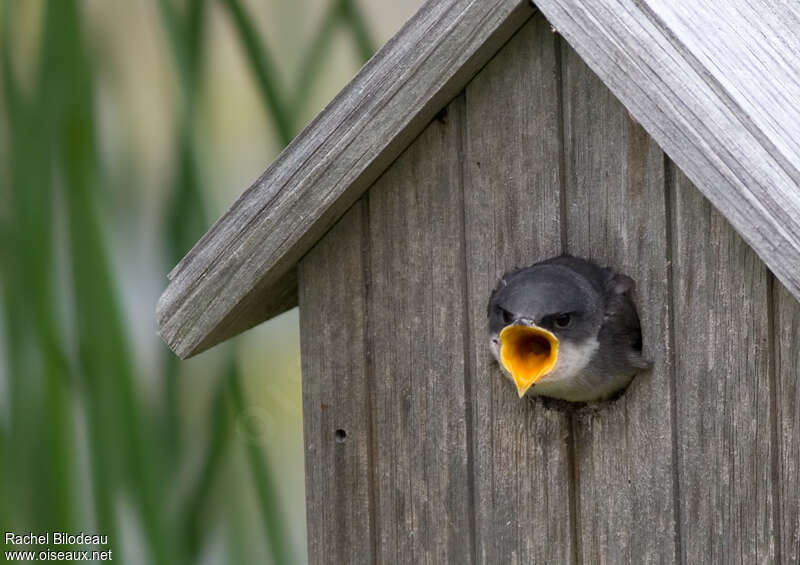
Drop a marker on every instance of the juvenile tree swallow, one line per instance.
(566, 328)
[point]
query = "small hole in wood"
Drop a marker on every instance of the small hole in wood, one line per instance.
(340, 435)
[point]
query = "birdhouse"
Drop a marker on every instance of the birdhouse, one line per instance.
(661, 139)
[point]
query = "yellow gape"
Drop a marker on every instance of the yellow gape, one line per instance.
(528, 353)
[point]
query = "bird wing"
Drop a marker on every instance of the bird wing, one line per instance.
(621, 326)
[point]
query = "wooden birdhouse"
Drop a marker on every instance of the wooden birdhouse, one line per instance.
(659, 138)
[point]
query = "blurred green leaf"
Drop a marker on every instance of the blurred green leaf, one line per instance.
(266, 486)
(358, 25)
(219, 433)
(186, 216)
(59, 368)
(186, 223)
(121, 437)
(29, 320)
(263, 68)
(314, 58)
(5, 520)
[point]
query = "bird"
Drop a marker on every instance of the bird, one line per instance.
(566, 328)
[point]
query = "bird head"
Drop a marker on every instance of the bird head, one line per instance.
(543, 318)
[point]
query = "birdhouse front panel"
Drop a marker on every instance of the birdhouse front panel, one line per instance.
(419, 451)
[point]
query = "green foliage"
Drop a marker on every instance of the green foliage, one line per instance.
(74, 354)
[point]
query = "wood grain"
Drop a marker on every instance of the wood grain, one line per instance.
(336, 396)
(512, 187)
(716, 85)
(616, 216)
(699, 461)
(219, 289)
(722, 350)
(416, 315)
(787, 395)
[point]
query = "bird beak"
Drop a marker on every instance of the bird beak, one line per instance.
(528, 353)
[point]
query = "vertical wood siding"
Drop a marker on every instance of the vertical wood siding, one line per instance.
(722, 349)
(616, 215)
(416, 347)
(435, 459)
(333, 323)
(786, 467)
(512, 201)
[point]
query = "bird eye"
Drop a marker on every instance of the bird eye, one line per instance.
(507, 316)
(562, 320)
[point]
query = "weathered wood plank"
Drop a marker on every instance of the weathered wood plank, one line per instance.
(521, 455)
(722, 352)
(219, 288)
(336, 396)
(787, 388)
(749, 59)
(716, 85)
(416, 314)
(616, 216)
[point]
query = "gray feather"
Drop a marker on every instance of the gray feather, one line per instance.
(601, 308)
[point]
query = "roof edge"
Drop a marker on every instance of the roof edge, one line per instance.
(236, 275)
(686, 107)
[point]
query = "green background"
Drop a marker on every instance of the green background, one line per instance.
(126, 128)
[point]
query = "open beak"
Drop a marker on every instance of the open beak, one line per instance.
(528, 353)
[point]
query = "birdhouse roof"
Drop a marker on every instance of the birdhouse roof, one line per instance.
(716, 84)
